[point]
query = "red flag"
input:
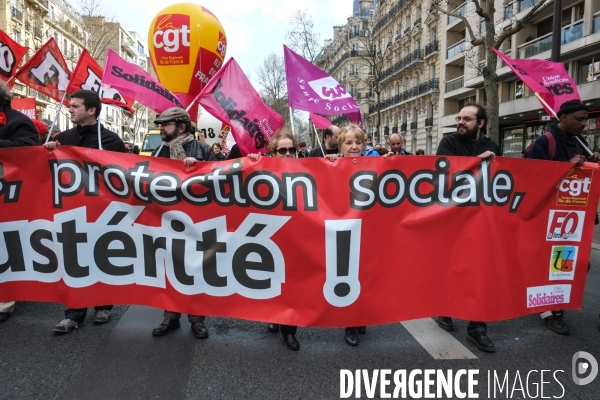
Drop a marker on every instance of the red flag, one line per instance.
(548, 79)
(88, 75)
(11, 54)
(230, 97)
(26, 105)
(46, 71)
(320, 122)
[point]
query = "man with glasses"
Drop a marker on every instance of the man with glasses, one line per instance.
(470, 140)
(179, 143)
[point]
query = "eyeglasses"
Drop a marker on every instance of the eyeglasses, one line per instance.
(284, 150)
(466, 119)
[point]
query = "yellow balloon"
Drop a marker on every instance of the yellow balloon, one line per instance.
(187, 46)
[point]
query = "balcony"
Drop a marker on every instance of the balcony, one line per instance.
(16, 14)
(407, 31)
(596, 23)
(403, 127)
(389, 16)
(27, 26)
(524, 4)
(480, 67)
(458, 10)
(456, 49)
(455, 84)
(416, 55)
(428, 121)
(129, 46)
(431, 85)
(431, 48)
(544, 43)
(413, 126)
(37, 33)
(417, 22)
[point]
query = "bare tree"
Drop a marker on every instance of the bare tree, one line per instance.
(301, 37)
(102, 29)
(486, 39)
(271, 78)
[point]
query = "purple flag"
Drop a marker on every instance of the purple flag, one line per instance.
(313, 90)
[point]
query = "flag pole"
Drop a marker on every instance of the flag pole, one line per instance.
(556, 116)
(99, 136)
(292, 121)
(55, 118)
(318, 139)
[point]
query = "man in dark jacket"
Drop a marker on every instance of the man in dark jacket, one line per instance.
(469, 140)
(179, 144)
(302, 152)
(84, 110)
(572, 117)
(329, 144)
(396, 142)
(16, 130)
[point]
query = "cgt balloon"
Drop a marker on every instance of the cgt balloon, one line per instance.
(187, 46)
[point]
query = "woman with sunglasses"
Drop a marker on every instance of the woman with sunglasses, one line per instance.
(351, 142)
(282, 145)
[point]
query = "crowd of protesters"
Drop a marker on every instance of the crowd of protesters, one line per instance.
(179, 143)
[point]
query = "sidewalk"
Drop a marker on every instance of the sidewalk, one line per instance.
(596, 238)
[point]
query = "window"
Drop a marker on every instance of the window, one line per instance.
(16, 36)
(356, 30)
(352, 90)
(354, 70)
(355, 47)
(432, 35)
(432, 72)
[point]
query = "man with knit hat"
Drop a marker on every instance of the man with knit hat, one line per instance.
(563, 146)
(179, 143)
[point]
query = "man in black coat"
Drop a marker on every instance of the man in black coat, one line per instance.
(179, 144)
(16, 130)
(572, 117)
(84, 111)
(329, 144)
(469, 140)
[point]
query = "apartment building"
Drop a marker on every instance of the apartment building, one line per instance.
(522, 118)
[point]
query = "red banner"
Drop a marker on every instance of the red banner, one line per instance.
(88, 75)
(11, 54)
(46, 71)
(230, 97)
(26, 105)
(303, 242)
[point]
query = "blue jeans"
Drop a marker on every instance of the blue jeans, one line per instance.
(78, 314)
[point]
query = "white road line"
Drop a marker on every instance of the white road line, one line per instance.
(439, 343)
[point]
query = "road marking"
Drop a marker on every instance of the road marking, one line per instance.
(439, 343)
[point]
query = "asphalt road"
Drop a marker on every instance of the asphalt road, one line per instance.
(240, 359)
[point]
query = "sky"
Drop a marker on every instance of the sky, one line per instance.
(254, 28)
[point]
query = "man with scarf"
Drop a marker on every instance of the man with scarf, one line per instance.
(179, 143)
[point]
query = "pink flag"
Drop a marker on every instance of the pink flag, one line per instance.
(548, 79)
(131, 80)
(230, 97)
(314, 90)
(320, 122)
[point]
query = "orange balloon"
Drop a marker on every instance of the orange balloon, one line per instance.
(187, 47)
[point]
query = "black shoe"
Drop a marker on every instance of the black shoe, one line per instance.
(199, 330)
(483, 343)
(556, 323)
(350, 336)
(4, 316)
(167, 326)
(273, 328)
(362, 329)
(291, 342)
(445, 323)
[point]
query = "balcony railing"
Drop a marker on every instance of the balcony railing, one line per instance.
(403, 127)
(544, 43)
(416, 55)
(524, 4)
(407, 31)
(456, 49)
(390, 15)
(480, 67)
(428, 121)
(413, 125)
(417, 22)
(44, 3)
(431, 47)
(419, 90)
(508, 11)
(454, 84)
(17, 14)
(37, 33)
(458, 10)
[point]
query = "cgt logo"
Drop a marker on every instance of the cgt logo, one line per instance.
(565, 226)
(574, 189)
(172, 37)
(222, 45)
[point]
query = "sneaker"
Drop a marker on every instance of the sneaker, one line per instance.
(65, 326)
(556, 323)
(101, 316)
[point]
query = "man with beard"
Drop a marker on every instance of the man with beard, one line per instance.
(329, 145)
(470, 140)
(179, 143)
(84, 111)
(572, 120)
